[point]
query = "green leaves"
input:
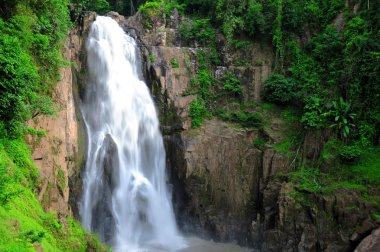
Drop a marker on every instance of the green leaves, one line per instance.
(350, 153)
(19, 76)
(7, 187)
(314, 113)
(30, 57)
(99, 6)
(318, 113)
(343, 117)
(240, 116)
(200, 31)
(279, 89)
(197, 112)
(174, 63)
(231, 84)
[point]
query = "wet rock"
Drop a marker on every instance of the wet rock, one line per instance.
(371, 243)
(220, 177)
(117, 17)
(103, 221)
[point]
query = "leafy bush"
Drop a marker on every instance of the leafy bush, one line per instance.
(174, 63)
(152, 12)
(314, 113)
(19, 77)
(171, 5)
(350, 153)
(32, 236)
(366, 134)
(200, 31)
(197, 112)
(231, 84)
(259, 142)
(343, 117)
(307, 179)
(150, 5)
(30, 58)
(254, 19)
(279, 89)
(8, 190)
(99, 6)
(367, 167)
(240, 44)
(242, 117)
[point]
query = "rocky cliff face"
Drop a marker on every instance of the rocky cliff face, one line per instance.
(222, 183)
(60, 154)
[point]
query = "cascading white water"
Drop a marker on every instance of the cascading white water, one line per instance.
(125, 196)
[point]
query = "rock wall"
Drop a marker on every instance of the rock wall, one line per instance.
(223, 186)
(60, 154)
(215, 170)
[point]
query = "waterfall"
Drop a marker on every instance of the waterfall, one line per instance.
(125, 196)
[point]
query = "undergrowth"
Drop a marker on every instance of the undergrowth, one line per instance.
(24, 226)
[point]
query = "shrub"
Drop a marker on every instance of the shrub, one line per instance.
(259, 142)
(99, 6)
(231, 83)
(366, 134)
(242, 117)
(343, 117)
(8, 190)
(314, 113)
(152, 12)
(306, 179)
(350, 153)
(30, 57)
(197, 112)
(174, 63)
(279, 89)
(32, 236)
(254, 19)
(19, 77)
(199, 30)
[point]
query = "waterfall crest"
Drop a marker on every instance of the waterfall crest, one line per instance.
(125, 196)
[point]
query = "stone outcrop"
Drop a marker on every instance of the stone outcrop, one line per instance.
(371, 243)
(295, 220)
(215, 170)
(223, 185)
(220, 173)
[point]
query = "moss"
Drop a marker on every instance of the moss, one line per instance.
(368, 167)
(174, 63)
(152, 11)
(24, 226)
(61, 179)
